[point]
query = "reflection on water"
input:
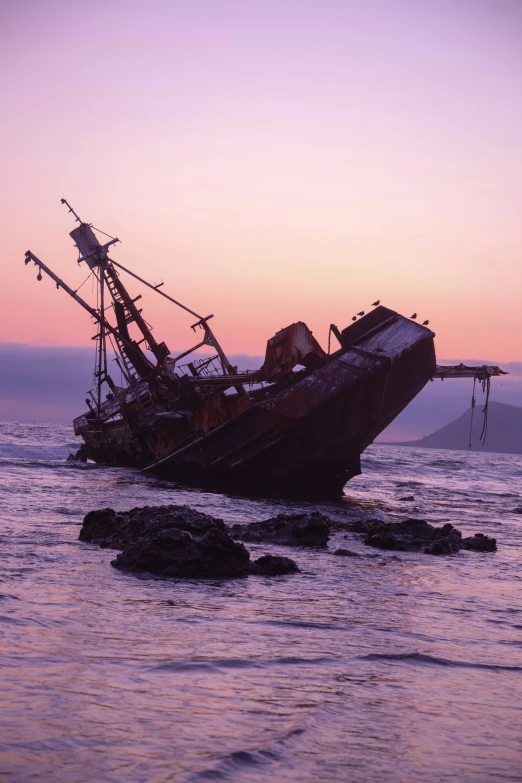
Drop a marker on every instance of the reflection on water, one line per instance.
(379, 668)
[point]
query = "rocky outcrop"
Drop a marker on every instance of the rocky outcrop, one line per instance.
(414, 535)
(78, 456)
(176, 553)
(346, 553)
(176, 541)
(308, 529)
(273, 565)
(480, 543)
(100, 526)
(115, 530)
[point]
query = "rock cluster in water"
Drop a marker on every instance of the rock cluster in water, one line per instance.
(176, 541)
(415, 535)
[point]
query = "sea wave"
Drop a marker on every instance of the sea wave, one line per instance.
(214, 664)
(416, 657)
(36, 452)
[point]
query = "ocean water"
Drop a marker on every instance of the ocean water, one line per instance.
(387, 667)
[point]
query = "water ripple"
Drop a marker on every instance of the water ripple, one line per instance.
(107, 677)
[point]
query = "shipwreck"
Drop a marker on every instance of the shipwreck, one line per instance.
(296, 426)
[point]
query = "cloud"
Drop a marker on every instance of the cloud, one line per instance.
(45, 383)
(50, 383)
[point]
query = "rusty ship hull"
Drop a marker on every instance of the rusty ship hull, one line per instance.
(296, 426)
(305, 432)
(307, 439)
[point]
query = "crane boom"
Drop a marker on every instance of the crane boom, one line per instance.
(129, 345)
(481, 373)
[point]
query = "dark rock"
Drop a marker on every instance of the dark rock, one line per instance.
(115, 530)
(407, 497)
(100, 525)
(346, 553)
(367, 525)
(308, 529)
(415, 535)
(480, 543)
(517, 510)
(173, 552)
(442, 547)
(172, 534)
(176, 541)
(273, 565)
(79, 456)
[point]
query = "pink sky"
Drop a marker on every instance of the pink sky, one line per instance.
(270, 161)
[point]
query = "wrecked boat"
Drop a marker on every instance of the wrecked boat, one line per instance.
(296, 426)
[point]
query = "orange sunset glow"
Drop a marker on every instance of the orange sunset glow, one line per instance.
(264, 181)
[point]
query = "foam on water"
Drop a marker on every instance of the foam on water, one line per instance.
(372, 668)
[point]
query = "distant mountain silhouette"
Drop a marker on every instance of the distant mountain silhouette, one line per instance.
(504, 433)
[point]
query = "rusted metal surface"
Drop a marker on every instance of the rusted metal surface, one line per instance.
(289, 347)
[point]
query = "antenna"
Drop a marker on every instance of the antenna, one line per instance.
(64, 201)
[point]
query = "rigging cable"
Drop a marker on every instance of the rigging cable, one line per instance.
(102, 232)
(98, 326)
(88, 276)
(485, 387)
(472, 411)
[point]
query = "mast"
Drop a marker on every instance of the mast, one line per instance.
(91, 251)
(95, 255)
(101, 344)
(130, 358)
(102, 352)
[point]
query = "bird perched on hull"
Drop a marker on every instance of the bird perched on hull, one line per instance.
(354, 318)
(425, 323)
(361, 313)
(413, 316)
(376, 303)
